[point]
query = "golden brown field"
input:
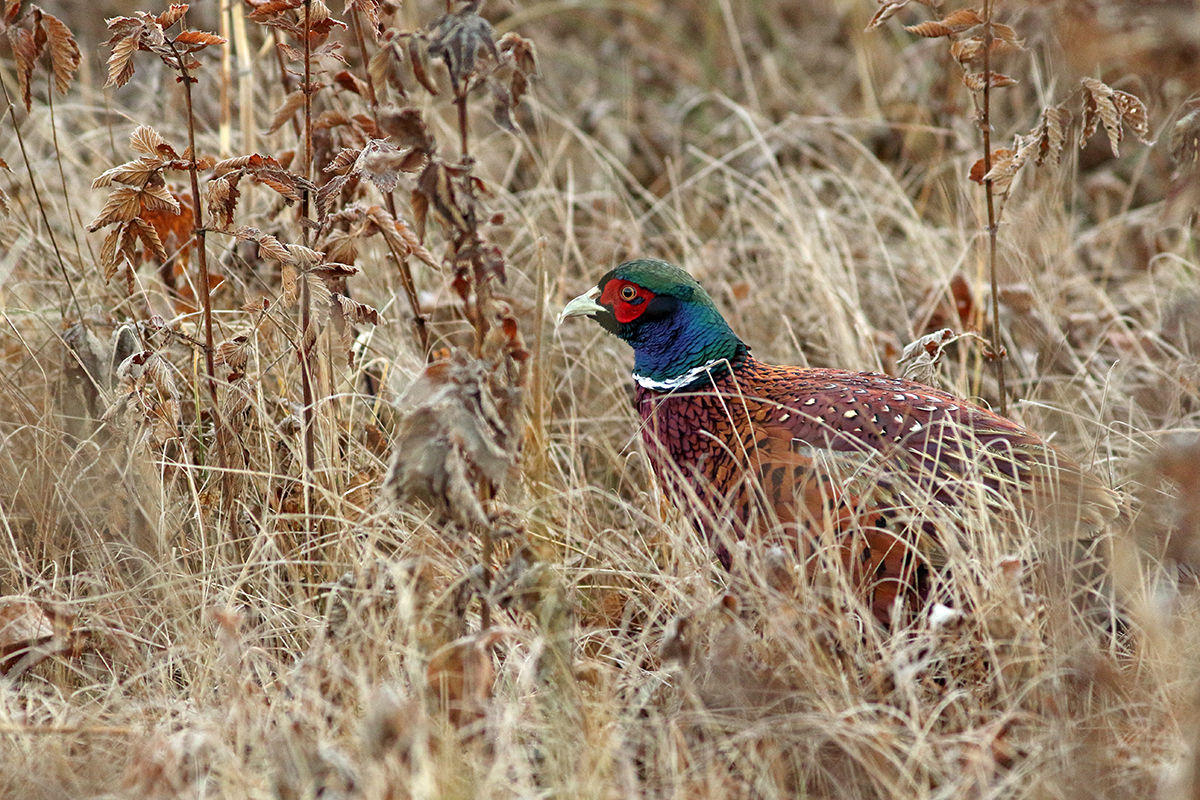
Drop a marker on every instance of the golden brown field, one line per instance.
(212, 584)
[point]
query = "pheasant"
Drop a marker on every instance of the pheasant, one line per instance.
(877, 463)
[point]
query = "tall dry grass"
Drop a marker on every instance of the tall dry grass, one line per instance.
(199, 602)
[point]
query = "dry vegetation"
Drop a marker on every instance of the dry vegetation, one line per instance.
(217, 580)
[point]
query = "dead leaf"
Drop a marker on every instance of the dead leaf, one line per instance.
(460, 426)
(460, 677)
(1103, 104)
(1184, 144)
(458, 39)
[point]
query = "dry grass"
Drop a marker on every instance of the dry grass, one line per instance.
(221, 610)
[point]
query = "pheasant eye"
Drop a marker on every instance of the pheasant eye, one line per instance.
(628, 293)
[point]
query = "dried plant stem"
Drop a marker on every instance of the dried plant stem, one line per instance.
(202, 291)
(537, 453)
(12, 115)
(460, 102)
(284, 78)
(471, 238)
(997, 345)
(62, 176)
(410, 289)
(226, 124)
(245, 78)
(420, 328)
(306, 380)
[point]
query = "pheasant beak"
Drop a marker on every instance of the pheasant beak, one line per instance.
(582, 306)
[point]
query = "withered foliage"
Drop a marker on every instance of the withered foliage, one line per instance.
(32, 33)
(461, 426)
(1115, 109)
(977, 42)
(347, 628)
(33, 631)
(148, 32)
(147, 400)
(142, 189)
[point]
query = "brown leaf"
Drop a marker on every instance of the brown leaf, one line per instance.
(521, 50)
(418, 66)
(459, 39)
(1133, 114)
(355, 311)
(194, 41)
(460, 677)
(64, 52)
(368, 8)
(264, 12)
(344, 161)
(964, 300)
(1007, 34)
(978, 170)
(340, 246)
(502, 103)
(272, 248)
(419, 204)
(171, 15)
(25, 52)
(290, 280)
(15, 11)
(406, 128)
(930, 29)
(399, 235)
(462, 426)
(132, 173)
(174, 226)
(24, 630)
(233, 353)
(145, 139)
(321, 302)
(223, 197)
(969, 52)
(886, 11)
(975, 81)
(327, 195)
(108, 253)
(149, 236)
(1007, 163)
(379, 162)
(281, 181)
(920, 358)
(384, 69)
(334, 269)
(1103, 104)
(291, 104)
(963, 19)
(303, 257)
(1051, 134)
(120, 63)
(159, 198)
(267, 171)
(124, 203)
(1184, 143)
(436, 186)
(351, 83)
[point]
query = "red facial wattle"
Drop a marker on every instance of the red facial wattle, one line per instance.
(627, 300)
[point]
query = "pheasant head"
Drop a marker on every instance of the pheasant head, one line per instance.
(677, 334)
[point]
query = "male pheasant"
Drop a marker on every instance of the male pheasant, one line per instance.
(879, 463)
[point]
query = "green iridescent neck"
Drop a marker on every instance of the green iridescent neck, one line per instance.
(687, 344)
